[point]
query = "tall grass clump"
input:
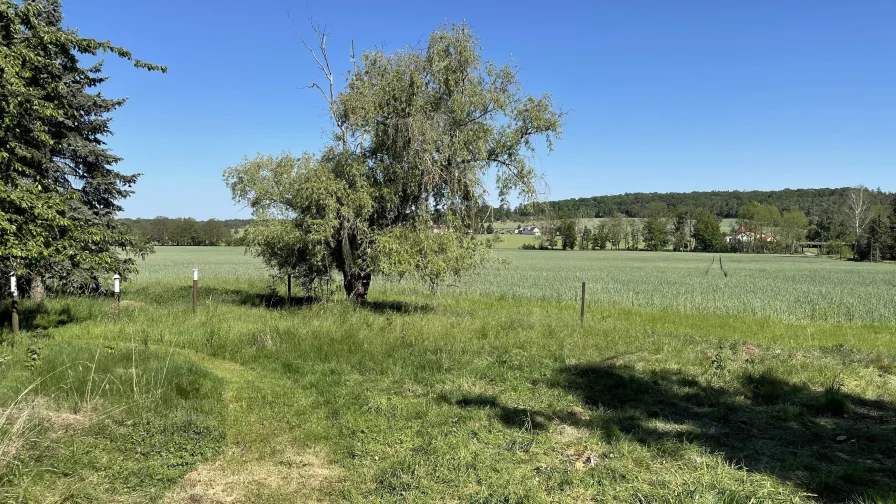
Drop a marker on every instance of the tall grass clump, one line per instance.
(92, 422)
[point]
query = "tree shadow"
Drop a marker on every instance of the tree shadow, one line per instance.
(397, 307)
(834, 445)
(511, 416)
(830, 443)
(37, 316)
(272, 300)
(276, 301)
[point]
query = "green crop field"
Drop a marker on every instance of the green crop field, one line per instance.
(769, 379)
(794, 288)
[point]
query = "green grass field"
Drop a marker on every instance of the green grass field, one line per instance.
(773, 383)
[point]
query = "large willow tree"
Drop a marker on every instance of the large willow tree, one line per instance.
(415, 134)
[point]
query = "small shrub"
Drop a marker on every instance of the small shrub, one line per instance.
(834, 401)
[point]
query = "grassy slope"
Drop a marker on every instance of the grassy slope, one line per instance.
(508, 399)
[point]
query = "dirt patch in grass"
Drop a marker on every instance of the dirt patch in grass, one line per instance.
(304, 477)
(569, 434)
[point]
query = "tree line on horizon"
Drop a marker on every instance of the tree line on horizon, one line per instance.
(814, 202)
(861, 226)
(814, 215)
(186, 231)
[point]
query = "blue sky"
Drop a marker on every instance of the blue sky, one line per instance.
(662, 96)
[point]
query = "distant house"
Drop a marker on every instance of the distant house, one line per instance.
(531, 230)
(439, 228)
(743, 235)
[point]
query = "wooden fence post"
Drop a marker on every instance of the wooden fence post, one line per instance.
(289, 289)
(582, 311)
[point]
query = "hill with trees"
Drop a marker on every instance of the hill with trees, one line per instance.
(724, 204)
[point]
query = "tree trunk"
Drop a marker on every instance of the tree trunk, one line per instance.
(356, 285)
(37, 290)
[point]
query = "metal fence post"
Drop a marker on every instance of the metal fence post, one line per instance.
(13, 289)
(116, 287)
(195, 288)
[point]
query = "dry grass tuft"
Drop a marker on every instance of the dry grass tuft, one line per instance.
(262, 340)
(304, 477)
(17, 423)
(569, 434)
(749, 350)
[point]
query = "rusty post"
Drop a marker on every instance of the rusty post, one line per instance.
(195, 288)
(13, 289)
(582, 311)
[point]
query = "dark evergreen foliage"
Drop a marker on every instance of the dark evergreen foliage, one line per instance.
(60, 191)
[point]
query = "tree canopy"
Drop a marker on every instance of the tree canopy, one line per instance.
(58, 191)
(415, 133)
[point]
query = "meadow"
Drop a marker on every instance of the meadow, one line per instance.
(769, 378)
(793, 288)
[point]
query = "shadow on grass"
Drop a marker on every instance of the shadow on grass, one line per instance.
(277, 301)
(400, 307)
(832, 444)
(35, 316)
(511, 416)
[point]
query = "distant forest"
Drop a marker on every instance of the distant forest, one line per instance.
(815, 203)
(186, 231)
(826, 210)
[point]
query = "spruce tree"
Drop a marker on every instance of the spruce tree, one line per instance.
(59, 190)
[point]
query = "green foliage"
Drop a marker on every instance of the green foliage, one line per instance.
(432, 257)
(568, 235)
(585, 239)
(600, 237)
(635, 229)
(759, 221)
(682, 230)
(656, 233)
(32, 356)
(60, 193)
(707, 234)
(792, 228)
(828, 204)
(185, 231)
(889, 238)
(549, 235)
(414, 133)
(616, 230)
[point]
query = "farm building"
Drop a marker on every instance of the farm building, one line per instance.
(530, 230)
(743, 235)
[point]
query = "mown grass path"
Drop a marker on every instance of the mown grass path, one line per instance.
(263, 460)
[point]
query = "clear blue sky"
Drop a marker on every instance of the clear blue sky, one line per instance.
(663, 96)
